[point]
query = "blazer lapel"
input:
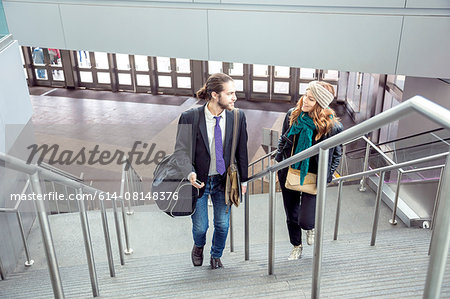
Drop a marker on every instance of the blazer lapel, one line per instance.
(202, 127)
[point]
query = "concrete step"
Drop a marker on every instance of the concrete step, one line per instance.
(394, 268)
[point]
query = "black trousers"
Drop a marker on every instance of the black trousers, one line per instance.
(300, 209)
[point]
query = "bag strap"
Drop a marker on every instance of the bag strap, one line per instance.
(235, 132)
(195, 128)
(292, 150)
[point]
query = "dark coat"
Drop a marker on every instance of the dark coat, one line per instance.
(285, 148)
(201, 159)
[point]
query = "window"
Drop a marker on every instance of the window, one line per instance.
(141, 63)
(306, 73)
(260, 70)
(214, 67)
(163, 64)
(183, 66)
(123, 61)
(101, 60)
(400, 82)
(236, 69)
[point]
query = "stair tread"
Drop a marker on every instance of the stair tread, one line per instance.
(395, 267)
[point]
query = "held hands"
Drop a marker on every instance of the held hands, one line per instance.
(196, 183)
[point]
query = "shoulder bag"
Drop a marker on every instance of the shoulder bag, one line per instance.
(293, 179)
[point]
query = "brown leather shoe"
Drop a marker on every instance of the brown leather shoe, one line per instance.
(216, 263)
(197, 256)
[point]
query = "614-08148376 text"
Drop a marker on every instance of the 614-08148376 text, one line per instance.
(139, 196)
(136, 196)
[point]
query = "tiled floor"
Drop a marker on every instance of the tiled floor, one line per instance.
(115, 121)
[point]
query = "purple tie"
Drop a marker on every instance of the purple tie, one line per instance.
(220, 163)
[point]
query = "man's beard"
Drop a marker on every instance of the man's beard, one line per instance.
(222, 105)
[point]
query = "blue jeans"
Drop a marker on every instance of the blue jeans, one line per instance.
(221, 217)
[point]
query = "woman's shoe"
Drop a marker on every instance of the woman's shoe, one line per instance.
(296, 253)
(310, 236)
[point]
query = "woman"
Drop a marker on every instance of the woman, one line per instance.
(307, 124)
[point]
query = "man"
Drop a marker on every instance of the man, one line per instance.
(211, 160)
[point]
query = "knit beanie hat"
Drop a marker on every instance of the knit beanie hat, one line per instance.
(321, 94)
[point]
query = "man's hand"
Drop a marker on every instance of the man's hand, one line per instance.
(243, 189)
(194, 182)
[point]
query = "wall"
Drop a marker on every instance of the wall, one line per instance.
(3, 25)
(14, 98)
(15, 128)
(435, 90)
(386, 37)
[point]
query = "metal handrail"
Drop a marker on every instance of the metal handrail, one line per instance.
(370, 144)
(397, 191)
(19, 202)
(396, 140)
(263, 157)
(88, 243)
(439, 248)
(380, 170)
(61, 172)
(401, 172)
(252, 165)
(36, 173)
(390, 167)
(424, 168)
(29, 262)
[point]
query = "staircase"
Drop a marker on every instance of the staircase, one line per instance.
(394, 268)
(160, 266)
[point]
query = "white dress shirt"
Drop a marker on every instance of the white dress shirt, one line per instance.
(210, 125)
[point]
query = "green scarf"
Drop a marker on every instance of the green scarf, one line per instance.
(304, 126)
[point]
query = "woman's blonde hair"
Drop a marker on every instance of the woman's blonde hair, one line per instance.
(324, 119)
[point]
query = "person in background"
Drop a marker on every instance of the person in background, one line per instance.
(308, 123)
(38, 59)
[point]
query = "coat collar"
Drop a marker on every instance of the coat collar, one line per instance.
(202, 127)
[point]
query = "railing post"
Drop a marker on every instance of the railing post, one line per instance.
(436, 200)
(320, 221)
(135, 186)
(127, 250)
(262, 178)
(246, 225)
(377, 208)
(441, 240)
(130, 192)
(362, 186)
(56, 201)
(2, 274)
(29, 261)
(119, 237)
(393, 221)
(344, 160)
(109, 254)
(88, 244)
(338, 210)
(272, 205)
(253, 182)
(52, 262)
(66, 196)
(231, 230)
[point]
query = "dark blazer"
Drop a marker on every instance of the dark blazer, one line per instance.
(199, 163)
(285, 147)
